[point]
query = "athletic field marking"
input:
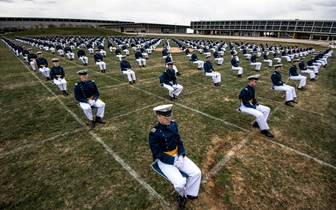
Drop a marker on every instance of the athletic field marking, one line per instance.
(151, 191)
(40, 142)
(301, 153)
(223, 162)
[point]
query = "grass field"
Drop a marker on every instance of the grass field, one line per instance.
(50, 158)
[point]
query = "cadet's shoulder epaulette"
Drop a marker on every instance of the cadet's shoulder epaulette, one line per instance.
(76, 84)
(173, 121)
(154, 129)
(92, 81)
(246, 88)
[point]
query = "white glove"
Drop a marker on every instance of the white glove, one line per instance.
(179, 161)
(91, 102)
(59, 79)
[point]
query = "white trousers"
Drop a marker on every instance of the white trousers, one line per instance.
(84, 59)
(45, 71)
(130, 74)
(60, 83)
(216, 77)
(141, 61)
(199, 63)
(120, 57)
(88, 111)
(287, 58)
(257, 64)
(260, 112)
(248, 56)
(52, 50)
(103, 52)
(145, 55)
(302, 79)
(181, 185)
(278, 60)
(126, 51)
(310, 72)
(90, 50)
(219, 60)
(60, 52)
(174, 89)
(270, 62)
(315, 68)
(240, 69)
(32, 64)
(101, 64)
(70, 55)
(290, 91)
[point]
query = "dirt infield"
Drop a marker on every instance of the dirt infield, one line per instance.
(172, 49)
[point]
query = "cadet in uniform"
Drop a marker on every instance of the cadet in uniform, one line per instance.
(42, 65)
(168, 81)
(168, 150)
(139, 59)
(87, 94)
(57, 75)
(82, 56)
(250, 105)
(235, 66)
(98, 58)
(305, 70)
(32, 58)
(293, 75)
(210, 72)
(126, 68)
(68, 52)
(254, 62)
(217, 58)
(278, 84)
(195, 60)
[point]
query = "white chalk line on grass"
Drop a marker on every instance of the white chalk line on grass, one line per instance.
(301, 153)
(40, 142)
(151, 191)
(223, 162)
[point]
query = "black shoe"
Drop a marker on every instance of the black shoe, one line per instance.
(313, 80)
(48, 78)
(270, 67)
(131, 83)
(104, 71)
(192, 197)
(219, 64)
(293, 101)
(99, 120)
(199, 68)
(178, 74)
(239, 76)
(65, 93)
(143, 66)
(181, 202)
(255, 125)
(302, 89)
(217, 84)
(92, 123)
(266, 133)
(134, 82)
(288, 103)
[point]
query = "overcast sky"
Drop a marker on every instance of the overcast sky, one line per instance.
(179, 12)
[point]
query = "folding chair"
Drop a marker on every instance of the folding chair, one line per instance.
(157, 169)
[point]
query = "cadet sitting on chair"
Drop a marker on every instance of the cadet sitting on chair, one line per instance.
(139, 59)
(307, 71)
(42, 65)
(278, 84)
(210, 72)
(87, 94)
(254, 62)
(126, 68)
(168, 150)
(32, 58)
(57, 75)
(293, 75)
(195, 60)
(99, 60)
(168, 81)
(235, 66)
(82, 56)
(250, 105)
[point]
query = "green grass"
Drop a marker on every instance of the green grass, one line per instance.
(50, 160)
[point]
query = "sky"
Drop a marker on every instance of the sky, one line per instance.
(179, 12)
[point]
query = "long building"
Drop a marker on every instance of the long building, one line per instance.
(12, 24)
(298, 29)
